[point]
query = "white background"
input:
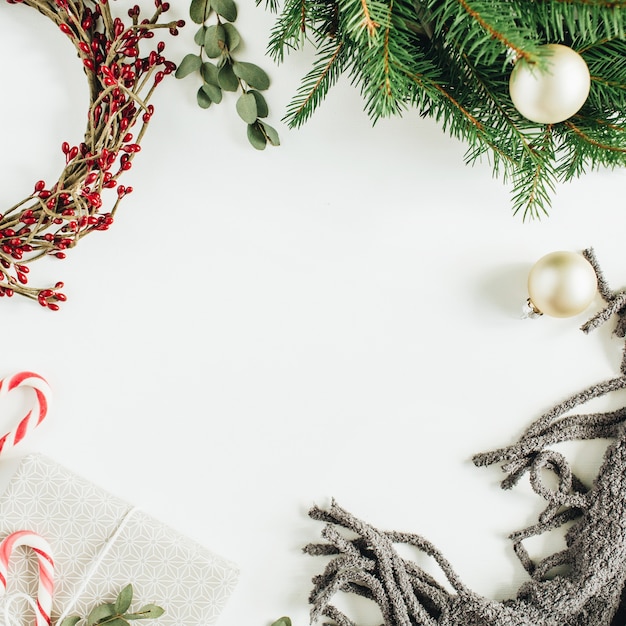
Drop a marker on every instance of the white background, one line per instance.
(262, 331)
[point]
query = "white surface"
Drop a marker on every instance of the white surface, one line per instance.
(259, 332)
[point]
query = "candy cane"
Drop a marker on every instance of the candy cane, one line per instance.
(35, 416)
(41, 547)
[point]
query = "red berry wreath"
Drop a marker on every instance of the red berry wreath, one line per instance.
(53, 218)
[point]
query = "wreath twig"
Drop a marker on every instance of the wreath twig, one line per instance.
(54, 218)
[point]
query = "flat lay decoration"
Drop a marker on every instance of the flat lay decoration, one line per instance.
(123, 66)
(584, 583)
(100, 543)
(538, 88)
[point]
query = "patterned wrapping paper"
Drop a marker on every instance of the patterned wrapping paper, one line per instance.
(102, 543)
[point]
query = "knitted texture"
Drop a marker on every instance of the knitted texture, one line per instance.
(589, 588)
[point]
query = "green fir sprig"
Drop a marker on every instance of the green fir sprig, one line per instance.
(451, 60)
(220, 71)
(117, 613)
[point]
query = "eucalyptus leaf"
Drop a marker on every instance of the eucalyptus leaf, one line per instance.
(117, 621)
(71, 621)
(199, 10)
(262, 109)
(272, 135)
(198, 38)
(100, 612)
(204, 101)
(215, 40)
(233, 38)
(282, 621)
(246, 107)
(226, 8)
(212, 92)
(251, 74)
(227, 79)
(256, 137)
(149, 611)
(124, 598)
(191, 63)
(209, 73)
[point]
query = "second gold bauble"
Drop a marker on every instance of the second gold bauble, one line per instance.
(562, 284)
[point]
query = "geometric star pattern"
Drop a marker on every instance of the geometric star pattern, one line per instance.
(100, 544)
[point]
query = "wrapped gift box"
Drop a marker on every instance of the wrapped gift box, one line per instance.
(101, 543)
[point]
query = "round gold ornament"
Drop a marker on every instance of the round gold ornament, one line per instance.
(554, 94)
(562, 284)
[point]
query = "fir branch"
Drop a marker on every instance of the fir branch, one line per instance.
(496, 34)
(270, 5)
(513, 134)
(475, 124)
(485, 30)
(315, 85)
(583, 154)
(363, 18)
(289, 29)
(574, 21)
(606, 60)
(368, 23)
(606, 4)
(535, 181)
(383, 71)
(596, 143)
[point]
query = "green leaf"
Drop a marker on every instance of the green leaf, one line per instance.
(256, 137)
(124, 598)
(246, 107)
(227, 79)
(199, 10)
(204, 102)
(209, 73)
(117, 621)
(215, 41)
(100, 612)
(282, 621)
(198, 38)
(261, 105)
(191, 63)
(150, 611)
(71, 621)
(272, 136)
(233, 38)
(226, 8)
(212, 92)
(252, 74)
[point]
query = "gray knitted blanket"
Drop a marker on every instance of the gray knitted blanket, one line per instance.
(589, 588)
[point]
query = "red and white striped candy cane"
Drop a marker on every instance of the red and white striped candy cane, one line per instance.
(46, 569)
(35, 416)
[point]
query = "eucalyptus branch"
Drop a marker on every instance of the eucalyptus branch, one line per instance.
(219, 40)
(117, 613)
